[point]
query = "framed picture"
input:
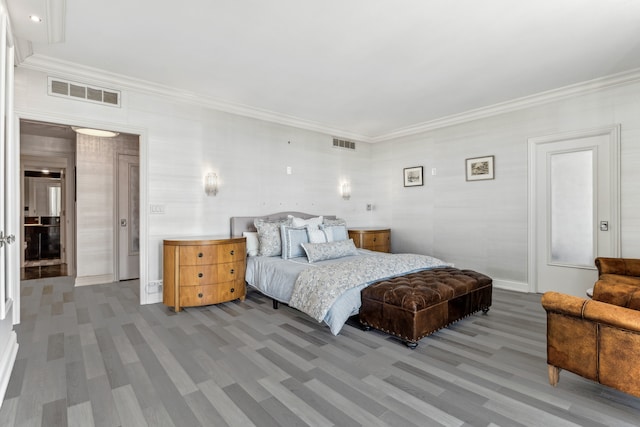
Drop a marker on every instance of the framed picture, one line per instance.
(413, 176)
(479, 168)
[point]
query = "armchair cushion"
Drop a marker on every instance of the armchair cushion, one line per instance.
(617, 293)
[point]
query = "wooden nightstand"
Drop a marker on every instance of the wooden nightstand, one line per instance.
(203, 270)
(372, 238)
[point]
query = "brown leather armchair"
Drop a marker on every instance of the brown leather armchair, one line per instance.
(597, 340)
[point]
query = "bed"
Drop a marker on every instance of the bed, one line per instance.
(321, 279)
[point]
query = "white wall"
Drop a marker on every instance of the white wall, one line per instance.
(184, 141)
(482, 225)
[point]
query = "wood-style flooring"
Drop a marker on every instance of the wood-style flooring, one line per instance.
(92, 356)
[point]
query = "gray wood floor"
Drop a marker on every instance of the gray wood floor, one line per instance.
(92, 356)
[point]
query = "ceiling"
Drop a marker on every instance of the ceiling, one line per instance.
(361, 68)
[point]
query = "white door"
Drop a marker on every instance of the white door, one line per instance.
(128, 217)
(574, 209)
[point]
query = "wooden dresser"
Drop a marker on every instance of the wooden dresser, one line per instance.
(372, 238)
(203, 271)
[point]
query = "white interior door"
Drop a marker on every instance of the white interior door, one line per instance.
(128, 217)
(575, 212)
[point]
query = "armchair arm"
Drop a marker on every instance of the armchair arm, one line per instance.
(593, 311)
(622, 266)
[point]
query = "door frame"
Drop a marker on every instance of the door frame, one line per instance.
(143, 141)
(613, 132)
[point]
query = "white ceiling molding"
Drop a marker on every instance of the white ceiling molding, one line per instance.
(68, 70)
(624, 78)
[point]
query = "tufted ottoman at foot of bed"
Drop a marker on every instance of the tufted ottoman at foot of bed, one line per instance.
(417, 304)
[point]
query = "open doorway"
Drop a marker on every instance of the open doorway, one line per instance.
(90, 190)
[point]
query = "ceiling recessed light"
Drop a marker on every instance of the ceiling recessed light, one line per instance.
(95, 132)
(35, 18)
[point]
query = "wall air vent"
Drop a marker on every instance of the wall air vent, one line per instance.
(341, 143)
(83, 92)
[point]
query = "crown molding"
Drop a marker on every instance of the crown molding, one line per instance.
(73, 71)
(582, 88)
(81, 73)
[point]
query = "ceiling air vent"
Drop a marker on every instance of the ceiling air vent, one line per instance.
(341, 143)
(75, 90)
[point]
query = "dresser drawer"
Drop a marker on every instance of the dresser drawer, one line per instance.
(230, 271)
(192, 275)
(198, 255)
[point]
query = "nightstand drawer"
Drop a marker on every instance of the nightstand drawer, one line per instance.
(192, 275)
(231, 252)
(230, 271)
(198, 255)
(375, 239)
(210, 294)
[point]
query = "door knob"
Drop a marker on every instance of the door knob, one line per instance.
(123, 222)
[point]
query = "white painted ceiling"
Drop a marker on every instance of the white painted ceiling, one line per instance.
(365, 67)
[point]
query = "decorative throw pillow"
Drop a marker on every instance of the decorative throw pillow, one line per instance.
(269, 236)
(330, 250)
(335, 233)
(252, 242)
(313, 223)
(337, 221)
(291, 238)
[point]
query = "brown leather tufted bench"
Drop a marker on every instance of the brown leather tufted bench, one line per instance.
(418, 304)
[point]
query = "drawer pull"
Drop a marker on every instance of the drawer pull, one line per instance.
(232, 271)
(374, 239)
(200, 274)
(200, 254)
(200, 295)
(232, 252)
(233, 290)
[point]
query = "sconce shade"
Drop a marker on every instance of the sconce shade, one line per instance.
(346, 191)
(211, 184)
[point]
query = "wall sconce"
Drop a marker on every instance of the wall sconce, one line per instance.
(211, 184)
(346, 191)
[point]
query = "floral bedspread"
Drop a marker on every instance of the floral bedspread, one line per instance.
(316, 289)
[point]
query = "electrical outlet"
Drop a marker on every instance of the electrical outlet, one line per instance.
(154, 286)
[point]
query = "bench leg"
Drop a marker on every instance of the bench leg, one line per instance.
(411, 345)
(275, 304)
(485, 310)
(554, 375)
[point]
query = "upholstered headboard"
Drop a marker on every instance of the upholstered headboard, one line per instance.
(245, 223)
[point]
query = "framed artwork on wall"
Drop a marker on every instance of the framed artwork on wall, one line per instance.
(413, 176)
(479, 168)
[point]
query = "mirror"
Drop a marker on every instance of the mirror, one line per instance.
(42, 194)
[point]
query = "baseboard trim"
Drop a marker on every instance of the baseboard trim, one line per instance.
(94, 280)
(511, 286)
(7, 360)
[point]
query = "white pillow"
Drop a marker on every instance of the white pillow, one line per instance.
(252, 242)
(317, 236)
(335, 233)
(313, 223)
